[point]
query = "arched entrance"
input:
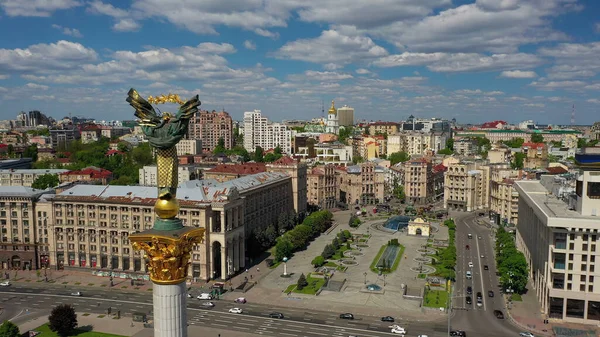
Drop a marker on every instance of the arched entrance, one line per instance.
(419, 231)
(216, 259)
(16, 261)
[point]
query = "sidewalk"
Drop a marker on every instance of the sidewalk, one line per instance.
(106, 324)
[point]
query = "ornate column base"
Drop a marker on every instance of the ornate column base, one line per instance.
(170, 310)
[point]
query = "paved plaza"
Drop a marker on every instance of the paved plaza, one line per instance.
(354, 295)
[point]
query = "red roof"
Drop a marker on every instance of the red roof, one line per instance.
(242, 169)
(63, 160)
(533, 145)
(492, 125)
(92, 172)
(113, 152)
(3, 146)
(439, 168)
(556, 170)
(286, 160)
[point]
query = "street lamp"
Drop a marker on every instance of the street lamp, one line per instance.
(384, 280)
(365, 277)
(285, 259)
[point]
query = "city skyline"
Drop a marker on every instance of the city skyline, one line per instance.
(475, 61)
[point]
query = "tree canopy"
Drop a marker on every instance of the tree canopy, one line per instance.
(344, 133)
(62, 319)
(45, 181)
(9, 329)
(258, 155)
(512, 264)
(518, 161)
(514, 143)
(537, 138)
(398, 157)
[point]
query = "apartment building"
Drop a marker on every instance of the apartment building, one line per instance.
(558, 233)
(387, 128)
(189, 147)
(418, 181)
(62, 137)
(504, 198)
(209, 127)
(361, 184)
(465, 147)
(25, 177)
(24, 239)
(345, 116)
(148, 174)
(499, 155)
(536, 155)
(298, 173)
(90, 175)
(259, 132)
(371, 147)
(322, 186)
(230, 171)
(327, 153)
(503, 135)
(416, 142)
(466, 186)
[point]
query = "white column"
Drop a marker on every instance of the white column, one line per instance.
(224, 260)
(170, 310)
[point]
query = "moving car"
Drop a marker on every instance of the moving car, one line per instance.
(276, 315)
(479, 237)
(498, 314)
(422, 336)
(470, 236)
(458, 333)
(347, 316)
(526, 334)
(208, 304)
(205, 296)
(399, 330)
(482, 256)
(479, 302)
(235, 310)
(5, 284)
(77, 293)
(387, 319)
(469, 290)
(469, 300)
(485, 267)
(490, 293)
(468, 275)
(240, 300)
(470, 264)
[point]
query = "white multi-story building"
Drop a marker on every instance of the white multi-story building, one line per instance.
(25, 177)
(558, 232)
(328, 153)
(416, 142)
(189, 147)
(333, 125)
(148, 174)
(258, 131)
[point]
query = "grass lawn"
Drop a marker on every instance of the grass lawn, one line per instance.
(340, 252)
(331, 264)
(436, 299)
(394, 265)
(516, 298)
(314, 284)
(46, 332)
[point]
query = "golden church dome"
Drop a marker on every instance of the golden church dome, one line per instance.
(332, 110)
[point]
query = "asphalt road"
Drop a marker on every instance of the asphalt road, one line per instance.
(34, 298)
(477, 321)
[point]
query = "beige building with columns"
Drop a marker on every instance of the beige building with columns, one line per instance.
(466, 186)
(322, 186)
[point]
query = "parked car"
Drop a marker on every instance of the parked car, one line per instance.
(490, 293)
(240, 300)
(205, 296)
(479, 295)
(485, 267)
(77, 293)
(347, 316)
(498, 314)
(5, 284)
(479, 302)
(235, 310)
(387, 319)
(526, 334)
(276, 315)
(469, 300)
(469, 290)
(208, 304)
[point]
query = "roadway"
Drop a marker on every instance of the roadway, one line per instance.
(474, 320)
(40, 298)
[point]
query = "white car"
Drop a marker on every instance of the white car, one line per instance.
(470, 264)
(189, 295)
(422, 335)
(399, 330)
(205, 296)
(235, 310)
(208, 304)
(5, 284)
(526, 334)
(77, 293)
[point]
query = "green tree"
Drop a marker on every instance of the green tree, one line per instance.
(9, 329)
(258, 155)
(123, 147)
(31, 152)
(62, 319)
(398, 157)
(515, 143)
(450, 144)
(302, 282)
(357, 159)
(345, 133)
(537, 138)
(335, 243)
(445, 151)
(220, 148)
(317, 262)
(10, 150)
(328, 252)
(240, 151)
(283, 248)
(367, 131)
(398, 192)
(45, 181)
(518, 161)
(270, 236)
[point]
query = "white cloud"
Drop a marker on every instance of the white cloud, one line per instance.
(573, 60)
(593, 100)
(36, 86)
(326, 75)
(124, 21)
(4, 77)
(68, 31)
(266, 33)
(332, 47)
(126, 25)
(494, 93)
(248, 44)
(597, 27)
(535, 105)
(40, 8)
(363, 71)
(43, 97)
(518, 74)
(43, 57)
(460, 62)
(554, 85)
(469, 92)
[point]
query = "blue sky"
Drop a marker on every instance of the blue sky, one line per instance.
(471, 60)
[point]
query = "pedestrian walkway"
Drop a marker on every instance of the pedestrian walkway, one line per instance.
(95, 322)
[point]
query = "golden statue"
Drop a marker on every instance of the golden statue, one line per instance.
(169, 243)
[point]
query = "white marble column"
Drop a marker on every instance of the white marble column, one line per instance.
(170, 310)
